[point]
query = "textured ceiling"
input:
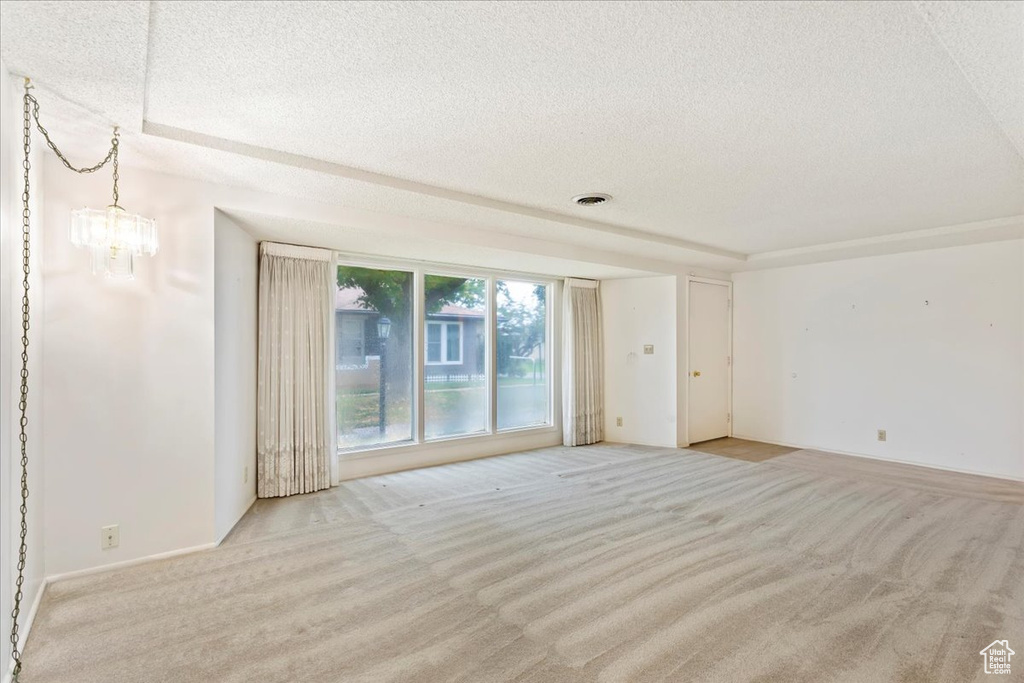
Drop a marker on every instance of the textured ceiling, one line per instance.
(748, 127)
(986, 40)
(90, 53)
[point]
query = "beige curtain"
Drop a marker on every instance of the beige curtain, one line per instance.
(582, 364)
(295, 312)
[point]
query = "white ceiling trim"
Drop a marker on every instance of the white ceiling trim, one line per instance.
(146, 59)
(411, 239)
(998, 229)
(361, 175)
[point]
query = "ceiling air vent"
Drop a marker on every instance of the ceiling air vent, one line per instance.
(592, 199)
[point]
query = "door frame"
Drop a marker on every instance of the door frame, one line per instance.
(690, 279)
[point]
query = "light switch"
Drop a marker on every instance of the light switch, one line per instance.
(648, 349)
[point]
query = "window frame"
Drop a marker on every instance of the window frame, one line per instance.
(419, 270)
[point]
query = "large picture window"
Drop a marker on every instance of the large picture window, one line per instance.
(455, 377)
(476, 348)
(373, 356)
(523, 388)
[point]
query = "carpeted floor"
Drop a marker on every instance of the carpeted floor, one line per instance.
(607, 563)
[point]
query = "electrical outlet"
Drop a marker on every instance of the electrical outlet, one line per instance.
(648, 349)
(110, 537)
(245, 475)
(881, 435)
(618, 422)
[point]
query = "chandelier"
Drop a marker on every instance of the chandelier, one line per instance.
(112, 235)
(115, 237)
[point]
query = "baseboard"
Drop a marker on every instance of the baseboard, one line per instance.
(26, 627)
(880, 458)
(128, 563)
(235, 523)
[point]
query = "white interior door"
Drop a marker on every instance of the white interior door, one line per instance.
(709, 352)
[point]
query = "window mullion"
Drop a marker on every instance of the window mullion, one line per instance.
(419, 354)
(492, 352)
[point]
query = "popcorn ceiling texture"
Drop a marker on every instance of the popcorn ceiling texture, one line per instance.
(987, 42)
(91, 53)
(753, 126)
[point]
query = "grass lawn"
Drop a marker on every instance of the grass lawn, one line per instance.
(361, 409)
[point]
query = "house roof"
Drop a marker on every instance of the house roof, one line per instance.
(348, 300)
(458, 311)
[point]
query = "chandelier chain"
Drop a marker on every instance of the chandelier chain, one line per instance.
(30, 111)
(26, 253)
(111, 154)
(113, 150)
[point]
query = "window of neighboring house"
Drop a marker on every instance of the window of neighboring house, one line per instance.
(350, 337)
(444, 343)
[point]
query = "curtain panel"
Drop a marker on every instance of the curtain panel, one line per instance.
(582, 363)
(293, 419)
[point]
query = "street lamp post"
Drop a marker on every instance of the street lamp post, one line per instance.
(383, 331)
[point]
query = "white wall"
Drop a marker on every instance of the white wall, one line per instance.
(10, 368)
(236, 271)
(133, 372)
(639, 388)
(928, 346)
(132, 375)
(129, 385)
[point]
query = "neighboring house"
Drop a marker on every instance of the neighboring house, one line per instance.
(355, 330)
(453, 340)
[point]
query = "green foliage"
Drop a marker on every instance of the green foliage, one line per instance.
(521, 319)
(521, 323)
(386, 291)
(390, 291)
(441, 290)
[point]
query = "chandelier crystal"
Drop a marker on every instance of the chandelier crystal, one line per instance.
(115, 237)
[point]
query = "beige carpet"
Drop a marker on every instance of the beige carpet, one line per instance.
(607, 563)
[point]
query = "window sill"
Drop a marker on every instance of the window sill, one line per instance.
(428, 444)
(357, 450)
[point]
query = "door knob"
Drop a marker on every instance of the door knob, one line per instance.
(696, 373)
